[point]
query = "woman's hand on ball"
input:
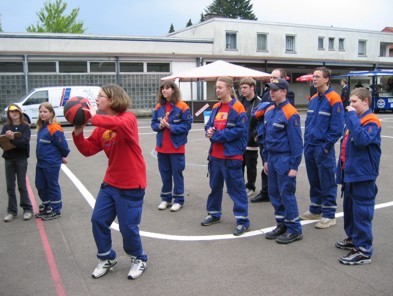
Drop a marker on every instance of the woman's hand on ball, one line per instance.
(92, 109)
(78, 129)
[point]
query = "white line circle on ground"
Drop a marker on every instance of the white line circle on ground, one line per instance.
(91, 201)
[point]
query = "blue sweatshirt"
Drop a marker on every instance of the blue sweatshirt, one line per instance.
(52, 146)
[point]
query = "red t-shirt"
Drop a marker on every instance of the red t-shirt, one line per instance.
(118, 137)
(343, 148)
(219, 123)
(167, 145)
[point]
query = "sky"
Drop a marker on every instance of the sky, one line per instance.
(154, 17)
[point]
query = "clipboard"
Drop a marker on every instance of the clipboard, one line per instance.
(5, 142)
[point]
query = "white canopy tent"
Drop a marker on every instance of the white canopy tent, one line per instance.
(212, 71)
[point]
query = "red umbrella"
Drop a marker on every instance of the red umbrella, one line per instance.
(305, 78)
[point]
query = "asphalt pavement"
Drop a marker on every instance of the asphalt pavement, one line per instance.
(57, 257)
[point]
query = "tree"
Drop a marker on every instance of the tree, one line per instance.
(171, 29)
(54, 20)
(189, 23)
(202, 18)
(235, 9)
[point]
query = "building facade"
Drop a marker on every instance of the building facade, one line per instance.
(29, 60)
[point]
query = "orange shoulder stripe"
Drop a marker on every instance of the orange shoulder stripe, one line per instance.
(54, 127)
(182, 105)
(370, 118)
(289, 110)
(238, 107)
(333, 98)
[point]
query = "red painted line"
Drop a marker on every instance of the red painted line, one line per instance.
(46, 245)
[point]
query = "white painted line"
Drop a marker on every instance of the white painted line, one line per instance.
(91, 201)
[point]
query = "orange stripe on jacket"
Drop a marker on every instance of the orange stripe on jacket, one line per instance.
(289, 110)
(370, 118)
(54, 127)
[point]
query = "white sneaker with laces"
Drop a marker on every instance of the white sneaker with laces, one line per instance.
(27, 215)
(176, 207)
(138, 266)
(325, 223)
(102, 268)
(310, 216)
(9, 217)
(164, 205)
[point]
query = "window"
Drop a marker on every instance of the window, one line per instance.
(321, 41)
(102, 67)
(261, 42)
(73, 67)
(131, 67)
(231, 42)
(290, 43)
(341, 44)
(362, 46)
(158, 67)
(9, 67)
(37, 98)
(42, 67)
(331, 43)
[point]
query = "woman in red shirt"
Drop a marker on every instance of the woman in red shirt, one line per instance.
(123, 187)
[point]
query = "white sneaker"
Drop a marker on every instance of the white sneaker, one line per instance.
(102, 268)
(250, 192)
(164, 205)
(9, 217)
(310, 216)
(27, 215)
(138, 266)
(176, 207)
(325, 223)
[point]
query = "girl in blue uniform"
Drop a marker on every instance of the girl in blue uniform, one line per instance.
(357, 171)
(227, 131)
(171, 120)
(52, 150)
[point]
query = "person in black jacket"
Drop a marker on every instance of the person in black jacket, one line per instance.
(344, 93)
(18, 133)
(277, 74)
(250, 101)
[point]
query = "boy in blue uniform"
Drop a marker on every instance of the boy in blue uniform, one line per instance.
(283, 148)
(357, 170)
(323, 128)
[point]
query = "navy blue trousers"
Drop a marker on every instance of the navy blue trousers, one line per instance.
(359, 202)
(282, 190)
(321, 176)
(231, 172)
(171, 167)
(127, 205)
(47, 184)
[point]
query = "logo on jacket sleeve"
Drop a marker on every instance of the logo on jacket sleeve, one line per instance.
(108, 135)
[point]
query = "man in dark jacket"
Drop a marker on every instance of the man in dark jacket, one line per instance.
(250, 101)
(277, 74)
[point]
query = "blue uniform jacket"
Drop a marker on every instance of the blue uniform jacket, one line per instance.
(180, 120)
(283, 136)
(259, 114)
(51, 146)
(234, 135)
(363, 149)
(325, 120)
